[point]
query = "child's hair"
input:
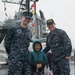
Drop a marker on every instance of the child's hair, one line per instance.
(37, 42)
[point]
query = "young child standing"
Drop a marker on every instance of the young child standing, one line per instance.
(38, 59)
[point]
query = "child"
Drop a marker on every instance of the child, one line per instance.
(38, 59)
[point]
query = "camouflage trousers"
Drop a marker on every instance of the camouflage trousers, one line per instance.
(18, 67)
(61, 67)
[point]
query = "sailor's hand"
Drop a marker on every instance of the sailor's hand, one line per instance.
(68, 57)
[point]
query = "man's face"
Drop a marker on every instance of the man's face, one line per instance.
(51, 27)
(24, 20)
(37, 47)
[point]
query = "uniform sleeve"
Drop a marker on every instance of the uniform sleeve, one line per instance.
(8, 39)
(66, 43)
(47, 48)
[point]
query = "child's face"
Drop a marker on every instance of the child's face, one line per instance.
(37, 47)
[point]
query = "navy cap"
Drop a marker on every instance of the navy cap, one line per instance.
(27, 14)
(50, 21)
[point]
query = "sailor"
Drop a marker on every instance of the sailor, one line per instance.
(16, 43)
(60, 45)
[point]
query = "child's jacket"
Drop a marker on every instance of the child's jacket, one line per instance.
(37, 57)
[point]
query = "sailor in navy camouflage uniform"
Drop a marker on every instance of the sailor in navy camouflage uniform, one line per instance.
(16, 43)
(60, 45)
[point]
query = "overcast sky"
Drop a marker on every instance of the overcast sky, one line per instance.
(62, 11)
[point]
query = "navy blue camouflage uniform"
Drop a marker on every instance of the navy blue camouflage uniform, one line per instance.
(16, 43)
(60, 45)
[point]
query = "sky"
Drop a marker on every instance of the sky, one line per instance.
(62, 11)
